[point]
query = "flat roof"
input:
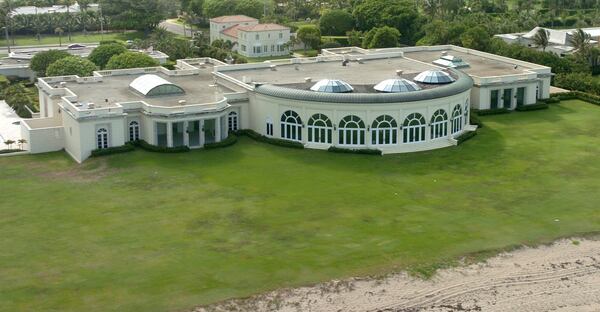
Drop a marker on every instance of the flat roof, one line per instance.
(479, 64)
(198, 89)
(370, 72)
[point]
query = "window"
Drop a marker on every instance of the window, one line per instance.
(320, 129)
(266, 49)
(102, 138)
(269, 127)
(439, 124)
(232, 121)
(257, 49)
(280, 35)
(134, 131)
(351, 131)
(291, 126)
(384, 131)
(257, 37)
(457, 119)
(272, 48)
(414, 128)
(243, 47)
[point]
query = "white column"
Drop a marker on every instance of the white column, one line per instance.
(202, 133)
(186, 135)
(169, 134)
(218, 129)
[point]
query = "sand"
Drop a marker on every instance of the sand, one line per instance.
(561, 277)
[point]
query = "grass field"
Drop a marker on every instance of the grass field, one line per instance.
(158, 232)
(76, 37)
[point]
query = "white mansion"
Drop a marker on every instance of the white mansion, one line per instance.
(396, 100)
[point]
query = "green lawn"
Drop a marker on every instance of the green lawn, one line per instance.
(76, 37)
(268, 58)
(158, 232)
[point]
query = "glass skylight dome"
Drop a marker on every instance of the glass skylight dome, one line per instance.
(332, 86)
(434, 77)
(397, 86)
(451, 61)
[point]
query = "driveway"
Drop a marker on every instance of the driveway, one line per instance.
(175, 28)
(8, 129)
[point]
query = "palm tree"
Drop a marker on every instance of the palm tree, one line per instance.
(542, 39)
(59, 31)
(580, 40)
(9, 143)
(21, 142)
(69, 18)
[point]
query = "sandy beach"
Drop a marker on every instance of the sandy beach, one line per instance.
(561, 277)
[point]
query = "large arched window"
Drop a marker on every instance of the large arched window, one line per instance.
(439, 124)
(414, 128)
(232, 121)
(291, 126)
(320, 129)
(384, 131)
(102, 138)
(351, 131)
(134, 131)
(457, 119)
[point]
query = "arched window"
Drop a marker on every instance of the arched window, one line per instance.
(457, 119)
(414, 128)
(232, 121)
(439, 124)
(291, 126)
(102, 138)
(134, 131)
(467, 107)
(320, 129)
(351, 131)
(384, 131)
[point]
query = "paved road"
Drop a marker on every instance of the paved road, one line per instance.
(175, 28)
(4, 50)
(8, 130)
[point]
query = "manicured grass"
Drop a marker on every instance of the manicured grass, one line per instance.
(76, 37)
(268, 58)
(158, 232)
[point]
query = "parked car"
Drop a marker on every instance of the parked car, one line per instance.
(75, 46)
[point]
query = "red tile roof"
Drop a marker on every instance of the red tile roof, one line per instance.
(233, 19)
(263, 27)
(231, 31)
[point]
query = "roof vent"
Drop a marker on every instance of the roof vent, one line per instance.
(91, 106)
(360, 60)
(182, 102)
(444, 53)
(399, 72)
(63, 83)
(273, 67)
(307, 79)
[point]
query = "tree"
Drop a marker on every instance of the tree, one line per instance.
(382, 37)
(103, 53)
(580, 40)
(214, 8)
(136, 14)
(72, 65)
(253, 8)
(400, 14)
(131, 60)
(59, 31)
(9, 143)
(336, 22)
(310, 35)
(476, 38)
(21, 142)
(354, 38)
(541, 39)
(40, 62)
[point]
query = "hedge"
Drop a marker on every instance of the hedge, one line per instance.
(495, 111)
(334, 149)
(474, 120)
(261, 138)
(578, 95)
(8, 151)
(160, 149)
(113, 150)
(230, 140)
(465, 137)
(533, 107)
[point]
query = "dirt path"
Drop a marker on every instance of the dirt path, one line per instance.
(563, 277)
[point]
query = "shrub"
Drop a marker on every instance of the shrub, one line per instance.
(229, 141)
(551, 100)
(590, 98)
(330, 44)
(103, 53)
(160, 149)
(465, 136)
(474, 120)
(16, 96)
(365, 151)
(261, 138)
(8, 151)
(4, 82)
(72, 65)
(131, 60)
(336, 22)
(495, 111)
(310, 35)
(382, 37)
(532, 107)
(41, 61)
(113, 150)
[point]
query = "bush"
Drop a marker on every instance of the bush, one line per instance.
(129, 147)
(532, 107)
(330, 44)
(72, 65)
(8, 151)
(365, 151)
(466, 136)
(382, 37)
(103, 53)
(261, 138)
(577, 95)
(310, 35)
(229, 141)
(551, 100)
(16, 96)
(41, 61)
(474, 120)
(160, 149)
(131, 60)
(495, 111)
(336, 22)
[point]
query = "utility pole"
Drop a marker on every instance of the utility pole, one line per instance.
(101, 22)
(6, 26)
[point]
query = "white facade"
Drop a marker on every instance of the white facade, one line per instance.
(219, 24)
(558, 39)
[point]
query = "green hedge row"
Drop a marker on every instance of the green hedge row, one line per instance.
(334, 149)
(495, 111)
(8, 151)
(474, 120)
(551, 100)
(113, 150)
(466, 136)
(261, 138)
(533, 107)
(160, 149)
(230, 140)
(578, 95)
